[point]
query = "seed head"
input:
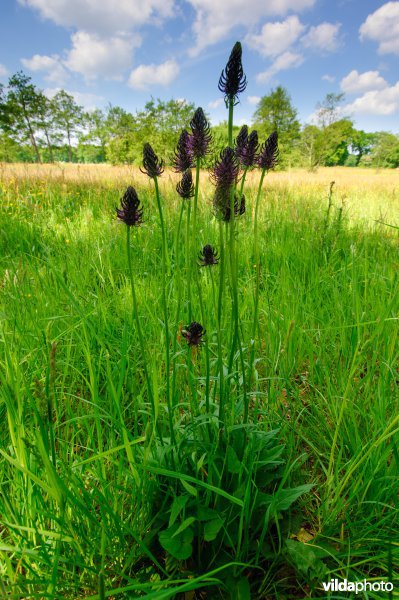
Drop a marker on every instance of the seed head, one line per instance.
(268, 153)
(153, 167)
(208, 256)
(225, 172)
(182, 159)
(130, 211)
(246, 146)
(193, 334)
(199, 141)
(185, 187)
(232, 79)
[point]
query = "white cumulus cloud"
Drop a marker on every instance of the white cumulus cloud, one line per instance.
(108, 17)
(254, 100)
(355, 82)
(324, 37)
(329, 78)
(383, 102)
(288, 60)
(276, 38)
(215, 103)
(146, 76)
(93, 56)
(3, 71)
(216, 18)
(382, 26)
(52, 65)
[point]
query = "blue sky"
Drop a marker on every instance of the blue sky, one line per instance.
(126, 51)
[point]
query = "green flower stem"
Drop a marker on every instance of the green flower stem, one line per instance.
(230, 122)
(179, 296)
(139, 331)
(165, 312)
(203, 317)
(219, 316)
(188, 262)
(256, 301)
(196, 190)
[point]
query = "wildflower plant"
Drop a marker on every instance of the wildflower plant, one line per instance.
(215, 421)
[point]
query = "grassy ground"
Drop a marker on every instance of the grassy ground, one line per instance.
(117, 478)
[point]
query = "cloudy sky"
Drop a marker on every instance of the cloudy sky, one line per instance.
(125, 51)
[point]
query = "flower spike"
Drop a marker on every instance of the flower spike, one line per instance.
(232, 79)
(153, 167)
(268, 154)
(130, 212)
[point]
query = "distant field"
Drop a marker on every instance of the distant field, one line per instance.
(367, 194)
(120, 475)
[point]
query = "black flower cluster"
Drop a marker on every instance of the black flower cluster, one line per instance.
(200, 139)
(208, 256)
(153, 167)
(193, 334)
(246, 147)
(130, 212)
(232, 79)
(183, 159)
(268, 153)
(224, 175)
(185, 187)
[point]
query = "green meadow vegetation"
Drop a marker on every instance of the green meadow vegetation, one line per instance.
(172, 428)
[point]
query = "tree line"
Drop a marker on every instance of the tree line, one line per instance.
(35, 128)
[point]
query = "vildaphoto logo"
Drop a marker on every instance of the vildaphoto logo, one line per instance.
(343, 585)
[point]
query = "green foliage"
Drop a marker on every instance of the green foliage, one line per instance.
(385, 150)
(276, 113)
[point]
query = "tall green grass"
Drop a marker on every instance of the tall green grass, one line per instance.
(94, 502)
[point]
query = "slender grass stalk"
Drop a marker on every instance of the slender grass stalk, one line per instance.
(219, 316)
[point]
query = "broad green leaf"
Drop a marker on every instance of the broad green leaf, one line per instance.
(212, 528)
(186, 523)
(233, 463)
(178, 546)
(178, 504)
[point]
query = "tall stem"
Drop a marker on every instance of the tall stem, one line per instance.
(138, 326)
(256, 300)
(165, 311)
(219, 315)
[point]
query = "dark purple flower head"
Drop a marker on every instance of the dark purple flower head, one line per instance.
(130, 211)
(185, 187)
(246, 147)
(241, 140)
(193, 334)
(225, 172)
(208, 256)
(268, 153)
(153, 167)
(183, 158)
(199, 140)
(232, 80)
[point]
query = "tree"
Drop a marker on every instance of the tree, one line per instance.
(68, 118)
(21, 109)
(311, 146)
(337, 138)
(361, 144)
(45, 121)
(328, 110)
(385, 150)
(276, 113)
(93, 144)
